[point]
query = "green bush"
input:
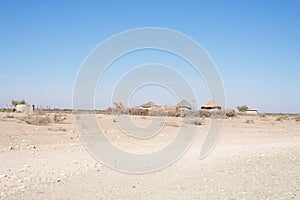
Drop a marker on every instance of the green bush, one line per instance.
(242, 108)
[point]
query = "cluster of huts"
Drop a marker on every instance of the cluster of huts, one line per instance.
(150, 108)
(184, 105)
(183, 108)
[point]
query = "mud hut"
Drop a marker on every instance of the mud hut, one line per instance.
(211, 105)
(25, 108)
(147, 106)
(185, 105)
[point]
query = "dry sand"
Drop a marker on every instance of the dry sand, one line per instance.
(259, 159)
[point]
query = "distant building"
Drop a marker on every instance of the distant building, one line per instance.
(251, 111)
(211, 105)
(148, 106)
(25, 108)
(185, 105)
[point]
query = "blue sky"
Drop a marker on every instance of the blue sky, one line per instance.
(255, 45)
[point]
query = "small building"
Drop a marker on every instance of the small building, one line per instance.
(185, 105)
(211, 105)
(25, 108)
(251, 112)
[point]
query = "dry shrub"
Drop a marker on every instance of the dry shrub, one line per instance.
(173, 113)
(195, 121)
(59, 119)
(172, 123)
(138, 111)
(297, 118)
(40, 112)
(185, 113)
(282, 117)
(7, 110)
(218, 114)
(204, 113)
(157, 112)
(37, 120)
(108, 111)
(8, 116)
(230, 113)
(57, 129)
(263, 115)
(249, 121)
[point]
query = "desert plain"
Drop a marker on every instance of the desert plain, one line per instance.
(256, 157)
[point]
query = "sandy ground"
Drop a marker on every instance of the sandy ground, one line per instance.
(256, 158)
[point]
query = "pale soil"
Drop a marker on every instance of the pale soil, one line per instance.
(259, 160)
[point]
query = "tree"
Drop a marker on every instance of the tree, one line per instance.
(242, 108)
(14, 102)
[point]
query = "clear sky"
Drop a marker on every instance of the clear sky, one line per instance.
(255, 45)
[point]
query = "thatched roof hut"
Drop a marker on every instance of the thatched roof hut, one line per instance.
(212, 104)
(184, 104)
(147, 105)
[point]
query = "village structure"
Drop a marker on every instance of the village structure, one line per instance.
(25, 108)
(251, 112)
(183, 108)
(211, 105)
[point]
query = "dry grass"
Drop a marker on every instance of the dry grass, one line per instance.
(204, 113)
(263, 115)
(8, 116)
(195, 121)
(172, 123)
(249, 121)
(297, 118)
(230, 113)
(280, 118)
(59, 119)
(42, 119)
(57, 129)
(36, 120)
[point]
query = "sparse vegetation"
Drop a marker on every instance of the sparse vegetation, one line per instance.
(195, 121)
(59, 118)
(8, 116)
(297, 118)
(157, 112)
(249, 121)
(204, 113)
(37, 120)
(230, 113)
(280, 118)
(242, 108)
(57, 129)
(42, 119)
(172, 123)
(263, 115)
(219, 114)
(7, 110)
